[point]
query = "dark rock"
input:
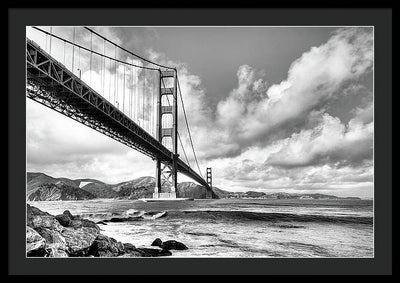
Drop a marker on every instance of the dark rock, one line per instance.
(67, 235)
(169, 245)
(68, 220)
(123, 219)
(157, 243)
(79, 223)
(38, 253)
(65, 218)
(145, 252)
(129, 247)
(68, 214)
(101, 222)
(104, 246)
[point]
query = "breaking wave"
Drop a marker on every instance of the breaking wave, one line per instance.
(221, 215)
(270, 217)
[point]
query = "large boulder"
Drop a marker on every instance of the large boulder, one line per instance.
(34, 242)
(104, 246)
(169, 245)
(79, 223)
(68, 220)
(65, 218)
(55, 242)
(145, 252)
(39, 219)
(79, 240)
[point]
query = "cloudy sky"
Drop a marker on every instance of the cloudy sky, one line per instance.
(272, 109)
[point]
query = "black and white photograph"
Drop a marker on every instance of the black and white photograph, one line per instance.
(200, 141)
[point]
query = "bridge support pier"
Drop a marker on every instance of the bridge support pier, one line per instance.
(209, 182)
(167, 172)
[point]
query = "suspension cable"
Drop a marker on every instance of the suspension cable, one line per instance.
(94, 52)
(137, 56)
(137, 66)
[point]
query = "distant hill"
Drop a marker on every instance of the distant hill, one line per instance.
(34, 180)
(142, 187)
(100, 189)
(94, 187)
(221, 193)
(59, 191)
(192, 190)
(253, 194)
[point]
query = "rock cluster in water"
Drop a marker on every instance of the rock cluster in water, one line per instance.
(66, 235)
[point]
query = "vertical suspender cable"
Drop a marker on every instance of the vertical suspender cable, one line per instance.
(115, 73)
(131, 91)
(79, 62)
(137, 71)
(64, 54)
(109, 83)
(103, 62)
(153, 108)
(91, 49)
(123, 93)
(51, 32)
(45, 46)
(144, 95)
(116, 85)
(73, 49)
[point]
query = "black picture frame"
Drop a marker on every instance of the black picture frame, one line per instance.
(380, 18)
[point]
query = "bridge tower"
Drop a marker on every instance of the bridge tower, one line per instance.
(167, 105)
(209, 182)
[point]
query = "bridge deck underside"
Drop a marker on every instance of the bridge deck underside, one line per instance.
(51, 84)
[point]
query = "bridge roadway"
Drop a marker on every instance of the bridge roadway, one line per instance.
(50, 83)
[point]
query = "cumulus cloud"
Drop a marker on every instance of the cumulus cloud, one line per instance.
(329, 141)
(255, 113)
(312, 80)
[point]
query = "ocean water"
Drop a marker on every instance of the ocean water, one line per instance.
(238, 227)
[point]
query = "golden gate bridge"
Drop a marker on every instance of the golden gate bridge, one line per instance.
(87, 77)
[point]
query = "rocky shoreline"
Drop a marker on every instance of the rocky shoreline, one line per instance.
(66, 235)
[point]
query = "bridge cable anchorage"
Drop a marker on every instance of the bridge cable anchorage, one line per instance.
(179, 136)
(130, 52)
(94, 52)
(187, 125)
